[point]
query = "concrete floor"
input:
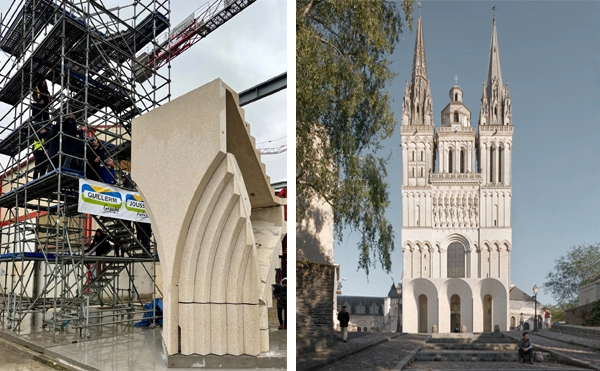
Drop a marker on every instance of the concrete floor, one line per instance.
(11, 361)
(139, 350)
(113, 347)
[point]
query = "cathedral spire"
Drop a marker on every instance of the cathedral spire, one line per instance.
(417, 103)
(419, 65)
(494, 72)
(495, 98)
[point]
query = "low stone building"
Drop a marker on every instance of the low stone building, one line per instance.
(372, 314)
(590, 292)
(520, 302)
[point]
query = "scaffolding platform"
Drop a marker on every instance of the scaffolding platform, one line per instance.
(134, 39)
(45, 57)
(45, 63)
(53, 258)
(33, 17)
(22, 136)
(42, 187)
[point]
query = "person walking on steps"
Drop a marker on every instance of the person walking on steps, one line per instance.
(344, 318)
(280, 292)
(522, 322)
(102, 245)
(525, 348)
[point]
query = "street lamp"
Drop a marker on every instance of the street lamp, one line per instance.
(535, 291)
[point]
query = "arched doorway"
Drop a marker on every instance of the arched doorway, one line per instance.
(455, 313)
(423, 314)
(513, 322)
(487, 313)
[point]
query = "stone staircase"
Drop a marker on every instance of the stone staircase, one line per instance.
(476, 351)
(469, 348)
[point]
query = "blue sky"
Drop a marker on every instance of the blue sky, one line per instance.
(549, 54)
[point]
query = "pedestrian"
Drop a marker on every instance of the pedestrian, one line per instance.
(280, 292)
(547, 317)
(344, 318)
(525, 348)
(522, 322)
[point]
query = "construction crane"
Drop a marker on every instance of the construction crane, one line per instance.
(192, 29)
(272, 151)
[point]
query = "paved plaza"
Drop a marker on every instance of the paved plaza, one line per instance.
(379, 351)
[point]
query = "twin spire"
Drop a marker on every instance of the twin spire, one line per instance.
(417, 107)
(495, 99)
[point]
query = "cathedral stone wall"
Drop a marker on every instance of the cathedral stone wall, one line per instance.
(314, 306)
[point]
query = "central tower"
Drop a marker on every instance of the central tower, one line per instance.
(456, 197)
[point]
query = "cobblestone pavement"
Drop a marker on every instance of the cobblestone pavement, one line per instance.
(357, 341)
(590, 356)
(496, 366)
(384, 356)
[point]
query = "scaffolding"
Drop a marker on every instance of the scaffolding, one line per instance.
(95, 66)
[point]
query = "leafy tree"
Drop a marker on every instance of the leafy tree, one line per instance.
(577, 268)
(343, 112)
(593, 319)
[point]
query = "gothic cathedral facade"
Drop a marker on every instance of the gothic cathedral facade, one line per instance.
(456, 199)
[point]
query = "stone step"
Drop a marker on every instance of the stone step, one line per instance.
(502, 340)
(480, 335)
(470, 356)
(474, 346)
(486, 366)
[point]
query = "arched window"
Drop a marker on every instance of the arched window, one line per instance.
(455, 96)
(463, 162)
(455, 116)
(450, 161)
(495, 110)
(421, 155)
(492, 165)
(500, 163)
(456, 260)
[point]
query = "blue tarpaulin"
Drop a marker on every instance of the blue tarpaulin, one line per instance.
(157, 305)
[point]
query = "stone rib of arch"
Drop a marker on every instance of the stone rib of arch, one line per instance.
(219, 270)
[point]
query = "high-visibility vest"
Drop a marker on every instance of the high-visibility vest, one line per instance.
(38, 145)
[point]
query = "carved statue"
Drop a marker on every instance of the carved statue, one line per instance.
(495, 89)
(406, 101)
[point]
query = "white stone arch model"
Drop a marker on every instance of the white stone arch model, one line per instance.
(217, 222)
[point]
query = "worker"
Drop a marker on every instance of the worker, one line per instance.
(39, 153)
(101, 245)
(94, 160)
(41, 102)
(109, 172)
